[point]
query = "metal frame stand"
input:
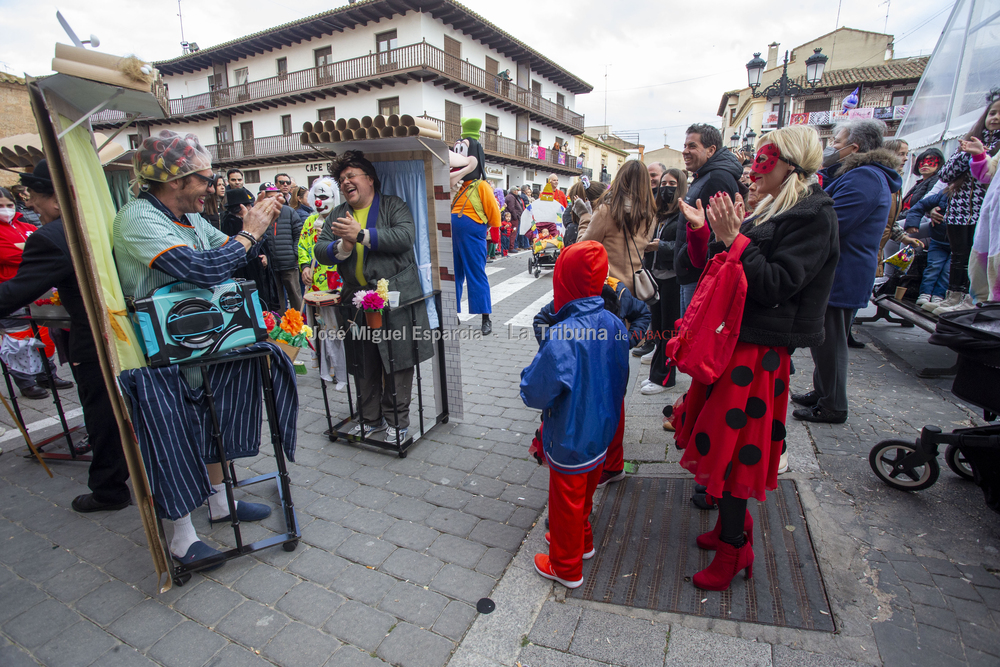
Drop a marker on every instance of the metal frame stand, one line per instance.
(912, 316)
(340, 428)
(76, 453)
(288, 540)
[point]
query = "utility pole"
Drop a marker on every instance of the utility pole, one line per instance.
(184, 44)
(606, 66)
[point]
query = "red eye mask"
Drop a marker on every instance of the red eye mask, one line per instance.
(767, 159)
(929, 162)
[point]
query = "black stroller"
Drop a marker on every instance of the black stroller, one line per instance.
(972, 453)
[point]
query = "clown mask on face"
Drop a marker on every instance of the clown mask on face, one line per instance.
(324, 195)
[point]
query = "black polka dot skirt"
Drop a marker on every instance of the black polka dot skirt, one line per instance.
(733, 431)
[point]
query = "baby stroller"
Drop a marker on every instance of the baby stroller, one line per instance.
(545, 249)
(972, 453)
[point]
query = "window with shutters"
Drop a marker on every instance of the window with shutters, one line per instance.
(282, 64)
(251, 176)
(286, 124)
(822, 104)
(388, 106)
(560, 99)
(384, 43)
(134, 141)
(323, 58)
(452, 121)
(453, 59)
(536, 94)
(536, 137)
(492, 66)
(492, 128)
(329, 113)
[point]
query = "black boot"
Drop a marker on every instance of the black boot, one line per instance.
(487, 325)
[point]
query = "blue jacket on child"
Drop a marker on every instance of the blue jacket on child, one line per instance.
(923, 207)
(578, 377)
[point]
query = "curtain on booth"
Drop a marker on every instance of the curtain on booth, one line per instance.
(118, 184)
(405, 179)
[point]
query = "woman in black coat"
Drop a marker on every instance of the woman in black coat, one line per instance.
(660, 255)
(733, 431)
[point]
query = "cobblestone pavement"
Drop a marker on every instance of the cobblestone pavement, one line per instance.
(396, 552)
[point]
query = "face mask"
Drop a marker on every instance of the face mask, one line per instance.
(7, 214)
(666, 193)
(831, 156)
(931, 162)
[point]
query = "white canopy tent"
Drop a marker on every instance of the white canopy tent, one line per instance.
(964, 67)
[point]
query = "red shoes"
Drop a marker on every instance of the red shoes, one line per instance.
(543, 566)
(728, 562)
(710, 540)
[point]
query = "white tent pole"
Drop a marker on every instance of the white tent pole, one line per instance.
(958, 71)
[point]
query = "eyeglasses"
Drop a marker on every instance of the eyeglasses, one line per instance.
(348, 177)
(283, 182)
(210, 180)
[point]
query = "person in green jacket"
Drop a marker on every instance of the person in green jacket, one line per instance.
(324, 196)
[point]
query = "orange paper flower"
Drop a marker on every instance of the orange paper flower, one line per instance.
(292, 322)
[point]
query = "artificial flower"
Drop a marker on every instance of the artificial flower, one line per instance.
(268, 321)
(382, 288)
(307, 330)
(292, 322)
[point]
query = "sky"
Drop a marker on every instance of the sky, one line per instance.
(667, 64)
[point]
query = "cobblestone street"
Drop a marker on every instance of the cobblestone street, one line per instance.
(395, 553)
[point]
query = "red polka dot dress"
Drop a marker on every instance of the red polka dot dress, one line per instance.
(733, 431)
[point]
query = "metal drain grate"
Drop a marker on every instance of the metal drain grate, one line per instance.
(646, 555)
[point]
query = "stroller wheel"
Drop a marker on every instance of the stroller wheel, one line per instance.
(958, 463)
(531, 264)
(538, 272)
(885, 457)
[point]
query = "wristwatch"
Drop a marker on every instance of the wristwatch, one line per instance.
(361, 237)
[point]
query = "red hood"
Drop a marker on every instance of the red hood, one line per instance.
(580, 272)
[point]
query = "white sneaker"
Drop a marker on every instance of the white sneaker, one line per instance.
(923, 298)
(369, 428)
(932, 304)
(965, 304)
(652, 388)
(953, 299)
(648, 358)
(341, 386)
(390, 434)
(645, 382)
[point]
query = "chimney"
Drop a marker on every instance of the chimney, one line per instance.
(772, 55)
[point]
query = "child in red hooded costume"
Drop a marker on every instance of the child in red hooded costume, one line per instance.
(578, 380)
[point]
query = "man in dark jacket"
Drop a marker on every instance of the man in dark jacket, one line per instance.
(516, 207)
(715, 170)
(861, 177)
(45, 264)
(286, 230)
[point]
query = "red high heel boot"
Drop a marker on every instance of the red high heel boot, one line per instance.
(727, 563)
(710, 540)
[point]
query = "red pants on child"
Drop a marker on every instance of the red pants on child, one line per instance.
(571, 498)
(615, 459)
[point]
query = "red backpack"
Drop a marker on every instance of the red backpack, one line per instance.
(707, 334)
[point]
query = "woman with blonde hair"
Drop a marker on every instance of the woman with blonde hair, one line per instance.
(624, 221)
(733, 430)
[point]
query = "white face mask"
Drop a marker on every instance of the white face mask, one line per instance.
(7, 214)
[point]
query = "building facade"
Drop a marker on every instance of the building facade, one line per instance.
(248, 99)
(600, 159)
(857, 59)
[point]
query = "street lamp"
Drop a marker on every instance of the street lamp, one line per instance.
(749, 141)
(734, 141)
(783, 87)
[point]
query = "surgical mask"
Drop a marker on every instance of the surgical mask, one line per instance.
(831, 156)
(7, 214)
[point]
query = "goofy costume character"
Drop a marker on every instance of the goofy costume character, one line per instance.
(475, 208)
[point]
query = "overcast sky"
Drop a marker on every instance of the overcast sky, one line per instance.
(669, 63)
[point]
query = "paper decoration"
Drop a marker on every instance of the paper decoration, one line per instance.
(541, 153)
(819, 118)
(883, 113)
(579, 162)
(899, 112)
(861, 114)
(799, 119)
(562, 158)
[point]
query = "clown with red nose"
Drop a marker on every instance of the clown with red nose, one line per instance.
(324, 196)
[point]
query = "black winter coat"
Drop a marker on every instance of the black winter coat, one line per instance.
(662, 259)
(789, 265)
(286, 230)
(721, 173)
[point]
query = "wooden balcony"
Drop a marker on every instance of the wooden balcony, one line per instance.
(416, 62)
(505, 150)
(284, 148)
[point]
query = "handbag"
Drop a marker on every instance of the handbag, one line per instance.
(644, 285)
(707, 334)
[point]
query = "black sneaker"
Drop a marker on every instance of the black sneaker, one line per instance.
(808, 400)
(643, 349)
(820, 415)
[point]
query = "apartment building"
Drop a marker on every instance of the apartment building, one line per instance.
(857, 59)
(247, 99)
